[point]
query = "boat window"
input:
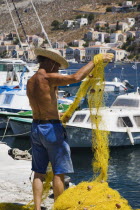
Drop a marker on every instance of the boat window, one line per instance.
(6, 67)
(137, 120)
(8, 98)
(79, 118)
(126, 102)
(94, 117)
(10, 67)
(124, 122)
(18, 68)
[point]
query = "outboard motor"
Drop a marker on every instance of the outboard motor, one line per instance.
(127, 84)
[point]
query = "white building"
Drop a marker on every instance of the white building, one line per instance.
(127, 3)
(119, 54)
(130, 21)
(122, 26)
(69, 53)
(92, 35)
(81, 22)
(92, 43)
(78, 43)
(102, 36)
(37, 41)
(96, 49)
(59, 44)
(79, 54)
(68, 23)
(117, 37)
(130, 34)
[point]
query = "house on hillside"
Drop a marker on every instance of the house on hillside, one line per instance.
(130, 34)
(37, 41)
(117, 37)
(102, 36)
(59, 44)
(127, 3)
(130, 21)
(68, 24)
(95, 49)
(81, 22)
(78, 43)
(76, 53)
(69, 53)
(79, 54)
(119, 54)
(121, 26)
(92, 35)
(78, 23)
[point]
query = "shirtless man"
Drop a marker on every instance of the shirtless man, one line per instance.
(48, 136)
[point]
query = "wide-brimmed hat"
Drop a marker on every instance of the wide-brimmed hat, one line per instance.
(53, 54)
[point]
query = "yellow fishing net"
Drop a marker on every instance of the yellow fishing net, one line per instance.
(95, 195)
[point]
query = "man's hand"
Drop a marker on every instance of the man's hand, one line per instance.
(107, 57)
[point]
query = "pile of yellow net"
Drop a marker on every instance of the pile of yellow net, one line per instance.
(95, 195)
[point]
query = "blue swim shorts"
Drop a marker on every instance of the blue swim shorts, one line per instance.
(49, 143)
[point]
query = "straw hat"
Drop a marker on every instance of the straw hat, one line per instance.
(53, 54)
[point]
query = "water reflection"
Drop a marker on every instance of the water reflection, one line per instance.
(124, 168)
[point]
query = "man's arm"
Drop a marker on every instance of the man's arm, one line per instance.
(60, 80)
(56, 79)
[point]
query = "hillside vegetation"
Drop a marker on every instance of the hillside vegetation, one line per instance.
(50, 10)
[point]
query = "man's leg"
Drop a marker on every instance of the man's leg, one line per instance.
(58, 185)
(38, 189)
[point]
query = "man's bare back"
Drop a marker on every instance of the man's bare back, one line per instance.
(42, 97)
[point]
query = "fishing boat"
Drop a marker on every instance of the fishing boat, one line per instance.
(11, 71)
(15, 103)
(122, 120)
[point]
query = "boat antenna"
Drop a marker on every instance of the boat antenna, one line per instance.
(22, 26)
(42, 27)
(135, 67)
(16, 29)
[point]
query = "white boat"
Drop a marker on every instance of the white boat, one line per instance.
(15, 101)
(11, 71)
(115, 86)
(122, 120)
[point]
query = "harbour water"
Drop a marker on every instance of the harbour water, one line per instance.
(124, 171)
(124, 164)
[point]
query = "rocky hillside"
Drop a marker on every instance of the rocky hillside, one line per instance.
(50, 10)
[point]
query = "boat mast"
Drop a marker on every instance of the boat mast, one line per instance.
(42, 27)
(16, 28)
